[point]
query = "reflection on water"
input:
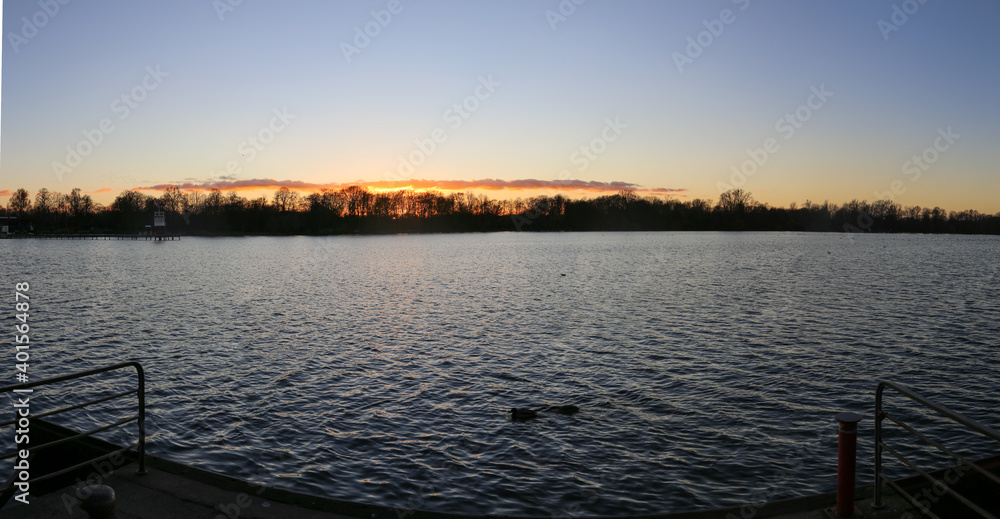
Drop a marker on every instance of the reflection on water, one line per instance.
(706, 366)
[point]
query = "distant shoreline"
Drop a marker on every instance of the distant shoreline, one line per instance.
(357, 211)
(427, 233)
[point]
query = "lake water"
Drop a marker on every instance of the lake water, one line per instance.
(707, 367)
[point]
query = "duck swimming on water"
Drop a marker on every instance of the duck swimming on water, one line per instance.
(522, 414)
(566, 409)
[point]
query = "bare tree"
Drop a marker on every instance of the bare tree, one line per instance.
(20, 203)
(44, 201)
(80, 204)
(735, 201)
(286, 200)
(172, 199)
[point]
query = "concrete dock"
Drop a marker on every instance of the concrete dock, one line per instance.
(173, 491)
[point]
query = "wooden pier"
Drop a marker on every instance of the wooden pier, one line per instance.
(134, 237)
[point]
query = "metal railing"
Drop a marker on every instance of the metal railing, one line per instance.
(140, 444)
(881, 478)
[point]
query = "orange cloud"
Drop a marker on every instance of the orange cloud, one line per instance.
(6, 192)
(489, 184)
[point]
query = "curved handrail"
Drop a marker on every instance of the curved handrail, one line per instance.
(140, 392)
(980, 428)
(954, 416)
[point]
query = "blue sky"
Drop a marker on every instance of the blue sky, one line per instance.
(592, 97)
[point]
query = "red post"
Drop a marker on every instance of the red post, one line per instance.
(847, 462)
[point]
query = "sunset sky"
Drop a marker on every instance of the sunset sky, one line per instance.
(815, 100)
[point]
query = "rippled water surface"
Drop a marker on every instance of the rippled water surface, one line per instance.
(707, 366)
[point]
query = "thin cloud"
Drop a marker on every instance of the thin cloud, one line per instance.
(666, 191)
(6, 192)
(489, 184)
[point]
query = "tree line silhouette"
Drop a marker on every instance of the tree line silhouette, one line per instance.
(356, 209)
